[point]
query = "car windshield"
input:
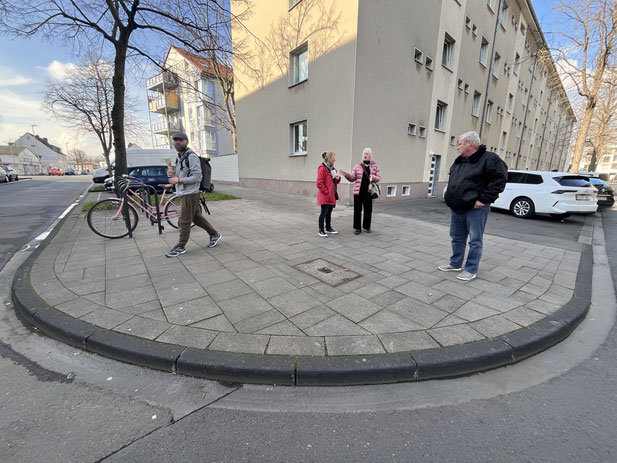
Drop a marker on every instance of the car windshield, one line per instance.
(573, 180)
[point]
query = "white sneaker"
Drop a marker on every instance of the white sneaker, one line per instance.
(323, 234)
(466, 276)
(449, 268)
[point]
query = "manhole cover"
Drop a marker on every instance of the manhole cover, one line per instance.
(327, 272)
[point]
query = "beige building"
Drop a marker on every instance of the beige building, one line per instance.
(21, 159)
(404, 77)
(607, 164)
(188, 99)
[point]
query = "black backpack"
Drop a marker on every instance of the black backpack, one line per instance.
(206, 171)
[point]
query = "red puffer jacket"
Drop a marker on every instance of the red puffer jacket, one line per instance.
(326, 186)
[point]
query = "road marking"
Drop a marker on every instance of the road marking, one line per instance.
(46, 233)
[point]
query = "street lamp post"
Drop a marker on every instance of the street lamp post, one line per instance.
(36, 145)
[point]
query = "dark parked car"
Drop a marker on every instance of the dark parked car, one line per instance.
(150, 175)
(605, 192)
(69, 172)
(11, 175)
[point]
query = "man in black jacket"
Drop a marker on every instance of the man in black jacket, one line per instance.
(476, 179)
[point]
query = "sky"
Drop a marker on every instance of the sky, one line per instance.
(27, 64)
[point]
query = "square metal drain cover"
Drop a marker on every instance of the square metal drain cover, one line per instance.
(327, 272)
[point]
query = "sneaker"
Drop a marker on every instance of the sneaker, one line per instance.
(357, 231)
(449, 268)
(176, 251)
(331, 231)
(368, 230)
(466, 276)
(214, 239)
(323, 234)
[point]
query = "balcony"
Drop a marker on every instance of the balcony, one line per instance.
(170, 102)
(166, 128)
(162, 81)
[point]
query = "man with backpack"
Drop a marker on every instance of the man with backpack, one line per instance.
(187, 178)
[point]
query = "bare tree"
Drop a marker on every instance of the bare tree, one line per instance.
(126, 27)
(78, 157)
(585, 51)
(83, 99)
(603, 127)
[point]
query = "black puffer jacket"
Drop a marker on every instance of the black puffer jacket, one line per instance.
(480, 177)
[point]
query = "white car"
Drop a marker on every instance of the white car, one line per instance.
(559, 194)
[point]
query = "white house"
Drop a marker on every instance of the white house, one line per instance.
(51, 155)
(21, 159)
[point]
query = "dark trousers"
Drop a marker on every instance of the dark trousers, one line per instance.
(190, 212)
(326, 215)
(362, 201)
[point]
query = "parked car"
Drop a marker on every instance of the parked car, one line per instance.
(101, 174)
(11, 174)
(3, 176)
(605, 192)
(55, 171)
(559, 194)
(69, 172)
(150, 175)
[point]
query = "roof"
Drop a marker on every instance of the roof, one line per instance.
(6, 150)
(202, 63)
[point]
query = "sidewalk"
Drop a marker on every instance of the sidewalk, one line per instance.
(307, 310)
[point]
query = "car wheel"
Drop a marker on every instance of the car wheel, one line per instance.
(523, 208)
(561, 216)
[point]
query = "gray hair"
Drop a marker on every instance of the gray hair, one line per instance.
(471, 137)
(369, 152)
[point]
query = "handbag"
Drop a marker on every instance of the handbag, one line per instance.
(374, 190)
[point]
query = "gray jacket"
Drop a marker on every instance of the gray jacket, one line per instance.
(189, 170)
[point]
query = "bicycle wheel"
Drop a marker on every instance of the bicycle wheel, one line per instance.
(106, 220)
(172, 211)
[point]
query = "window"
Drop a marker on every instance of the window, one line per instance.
(207, 140)
(475, 105)
(418, 56)
(509, 103)
(489, 112)
(448, 51)
(421, 131)
(453, 141)
(406, 190)
(502, 141)
(484, 52)
(299, 138)
(429, 63)
(525, 98)
(522, 28)
(299, 64)
(474, 30)
(468, 22)
(491, 4)
(201, 120)
(411, 129)
(503, 14)
(440, 116)
(206, 88)
(391, 191)
(534, 179)
(516, 177)
(496, 65)
(466, 88)
(517, 63)
(460, 84)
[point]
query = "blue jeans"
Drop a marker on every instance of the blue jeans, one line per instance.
(468, 224)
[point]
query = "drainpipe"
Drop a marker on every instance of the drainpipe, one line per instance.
(550, 101)
(520, 143)
(490, 68)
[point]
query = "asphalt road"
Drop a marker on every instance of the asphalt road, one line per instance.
(500, 223)
(29, 206)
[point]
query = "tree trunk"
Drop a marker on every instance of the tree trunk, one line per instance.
(117, 110)
(582, 137)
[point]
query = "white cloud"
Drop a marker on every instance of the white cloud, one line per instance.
(58, 70)
(9, 78)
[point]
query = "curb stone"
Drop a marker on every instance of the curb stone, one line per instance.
(445, 362)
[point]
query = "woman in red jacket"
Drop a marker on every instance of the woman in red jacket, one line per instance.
(327, 179)
(363, 174)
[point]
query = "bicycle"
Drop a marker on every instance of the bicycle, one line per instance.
(109, 218)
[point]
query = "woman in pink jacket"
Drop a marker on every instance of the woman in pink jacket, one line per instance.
(363, 174)
(327, 179)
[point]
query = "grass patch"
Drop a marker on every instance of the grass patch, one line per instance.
(108, 206)
(97, 188)
(216, 196)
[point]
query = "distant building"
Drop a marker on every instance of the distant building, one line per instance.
(24, 161)
(50, 155)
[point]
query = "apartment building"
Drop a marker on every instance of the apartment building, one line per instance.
(186, 98)
(49, 155)
(607, 164)
(404, 77)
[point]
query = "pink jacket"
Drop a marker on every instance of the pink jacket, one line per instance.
(356, 175)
